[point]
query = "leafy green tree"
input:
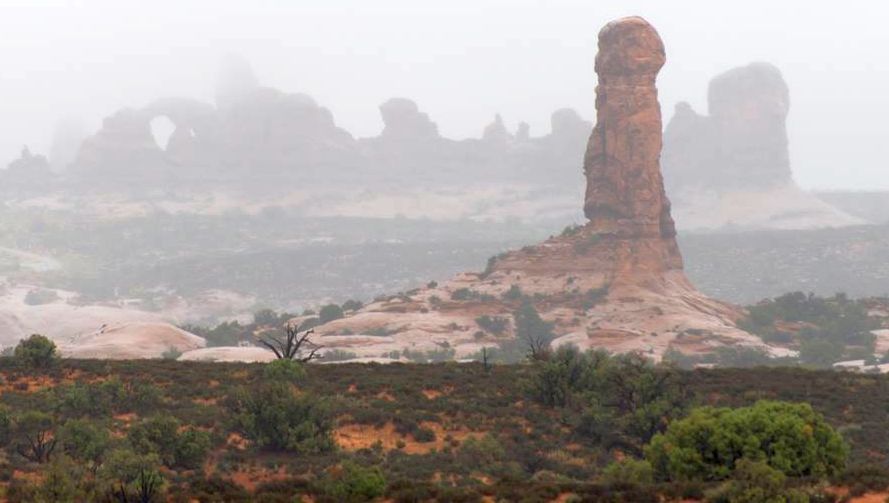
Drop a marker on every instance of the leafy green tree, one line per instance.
(33, 436)
(273, 416)
(330, 312)
(36, 352)
(707, 445)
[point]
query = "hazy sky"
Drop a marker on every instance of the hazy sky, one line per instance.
(461, 60)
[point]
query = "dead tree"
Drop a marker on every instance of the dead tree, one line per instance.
(290, 347)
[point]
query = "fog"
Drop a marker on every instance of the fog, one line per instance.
(461, 61)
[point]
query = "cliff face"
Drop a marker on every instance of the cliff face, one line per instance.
(615, 283)
(732, 167)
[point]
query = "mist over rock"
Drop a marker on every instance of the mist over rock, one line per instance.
(234, 81)
(29, 170)
(731, 168)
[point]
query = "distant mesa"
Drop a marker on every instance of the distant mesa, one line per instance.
(616, 283)
(732, 167)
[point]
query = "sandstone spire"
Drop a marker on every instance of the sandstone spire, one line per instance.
(625, 192)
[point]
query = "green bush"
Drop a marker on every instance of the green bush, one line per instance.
(284, 370)
(84, 441)
(128, 476)
(707, 445)
(33, 436)
(162, 436)
(354, 483)
(628, 471)
(274, 417)
(36, 352)
(5, 426)
(493, 324)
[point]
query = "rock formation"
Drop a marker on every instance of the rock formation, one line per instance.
(615, 283)
(737, 157)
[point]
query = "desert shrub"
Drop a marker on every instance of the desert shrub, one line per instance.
(129, 476)
(275, 418)
(5, 426)
(161, 435)
(33, 436)
(707, 445)
(329, 313)
(84, 441)
(36, 352)
(493, 324)
(191, 449)
(480, 453)
(155, 435)
(60, 483)
(628, 471)
(284, 370)
(622, 400)
(756, 481)
(424, 435)
(353, 483)
(569, 372)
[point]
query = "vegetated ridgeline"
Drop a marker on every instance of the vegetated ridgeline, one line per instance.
(615, 283)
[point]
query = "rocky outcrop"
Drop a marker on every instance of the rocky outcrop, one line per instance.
(738, 157)
(615, 283)
(402, 120)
